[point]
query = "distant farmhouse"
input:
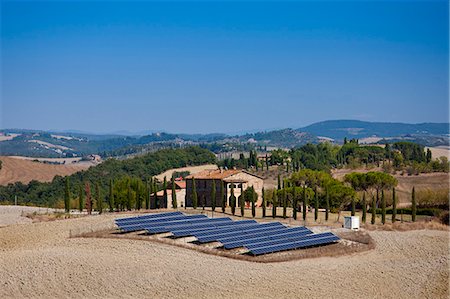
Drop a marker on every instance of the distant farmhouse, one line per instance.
(237, 178)
(180, 191)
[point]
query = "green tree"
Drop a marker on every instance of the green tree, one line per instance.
(222, 197)
(67, 196)
(165, 197)
(155, 194)
(428, 155)
(174, 194)
(327, 204)
(413, 205)
(254, 205)
(374, 210)
(394, 206)
(129, 197)
(263, 203)
(279, 182)
(305, 203)
(316, 205)
(213, 196)
(364, 208)
(194, 194)
(88, 198)
(232, 200)
(80, 199)
(111, 196)
(353, 206)
(98, 199)
(148, 191)
(274, 203)
(294, 202)
(242, 201)
(283, 192)
(383, 207)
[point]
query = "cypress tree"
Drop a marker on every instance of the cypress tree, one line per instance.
(174, 194)
(294, 203)
(222, 196)
(232, 200)
(147, 194)
(327, 205)
(88, 198)
(242, 201)
(279, 182)
(394, 206)
(274, 203)
(284, 203)
(383, 208)
(254, 198)
(353, 207)
(413, 205)
(129, 197)
(194, 194)
(155, 193)
(305, 202)
(111, 196)
(213, 196)
(67, 196)
(316, 205)
(137, 203)
(364, 208)
(98, 199)
(374, 210)
(263, 204)
(165, 191)
(80, 199)
(267, 163)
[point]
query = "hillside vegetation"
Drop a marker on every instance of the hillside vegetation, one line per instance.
(142, 168)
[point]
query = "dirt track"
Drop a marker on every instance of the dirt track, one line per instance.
(39, 260)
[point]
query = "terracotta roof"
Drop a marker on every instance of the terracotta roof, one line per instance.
(213, 174)
(181, 184)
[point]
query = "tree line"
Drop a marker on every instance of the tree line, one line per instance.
(141, 168)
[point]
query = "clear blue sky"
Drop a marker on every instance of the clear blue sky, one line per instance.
(221, 67)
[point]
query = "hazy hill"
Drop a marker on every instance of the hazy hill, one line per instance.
(339, 129)
(35, 143)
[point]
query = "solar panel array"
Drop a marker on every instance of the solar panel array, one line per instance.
(257, 238)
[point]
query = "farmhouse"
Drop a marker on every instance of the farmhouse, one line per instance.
(180, 191)
(228, 178)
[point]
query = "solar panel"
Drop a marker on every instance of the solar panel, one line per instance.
(257, 235)
(294, 245)
(141, 225)
(148, 216)
(230, 243)
(215, 237)
(227, 229)
(287, 239)
(159, 219)
(191, 231)
(186, 224)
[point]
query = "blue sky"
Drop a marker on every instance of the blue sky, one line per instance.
(221, 66)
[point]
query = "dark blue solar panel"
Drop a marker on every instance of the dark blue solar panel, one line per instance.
(148, 216)
(257, 235)
(280, 241)
(294, 245)
(215, 237)
(185, 225)
(162, 219)
(227, 229)
(161, 222)
(231, 243)
(192, 231)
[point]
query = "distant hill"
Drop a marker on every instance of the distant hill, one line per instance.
(286, 138)
(33, 143)
(339, 129)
